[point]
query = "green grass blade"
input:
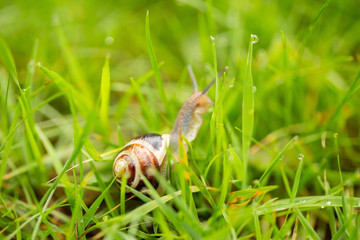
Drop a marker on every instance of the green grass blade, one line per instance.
(155, 67)
(343, 228)
(276, 159)
(182, 226)
(86, 131)
(31, 67)
(105, 95)
(8, 145)
(257, 226)
(312, 27)
(355, 86)
(247, 110)
(81, 100)
(285, 180)
(96, 204)
(308, 228)
(297, 179)
(7, 58)
(94, 154)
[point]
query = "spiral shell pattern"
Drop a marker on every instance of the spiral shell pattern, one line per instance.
(140, 155)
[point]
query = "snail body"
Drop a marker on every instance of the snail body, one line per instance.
(149, 151)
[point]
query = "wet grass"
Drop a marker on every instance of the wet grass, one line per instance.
(276, 158)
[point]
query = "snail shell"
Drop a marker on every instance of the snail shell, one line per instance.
(140, 155)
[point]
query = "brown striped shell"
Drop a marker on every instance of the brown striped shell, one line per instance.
(140, 155)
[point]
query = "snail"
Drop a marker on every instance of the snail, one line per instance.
(150, 151)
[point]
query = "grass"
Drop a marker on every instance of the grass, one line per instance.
(276, 158)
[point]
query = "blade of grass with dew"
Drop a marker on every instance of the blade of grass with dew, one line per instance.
(297, 180)
(105, 94)
(155, 67)
(250, 193)
(276, 159)
(308, 228)
(306, 203)
(247, 110)
(217, 130)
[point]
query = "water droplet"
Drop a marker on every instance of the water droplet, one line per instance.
(24, 89)
(38, 63)
(250, 186)
(322, 207)
(359, 203)
(281, 157)
(82, 220)
(212, 39)
(254, 38)
(254, 89)
(328, 203)
(336, 135)
(109, 40)
(296, 138)
(303, 201)
(231, 86)
(301, 156)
